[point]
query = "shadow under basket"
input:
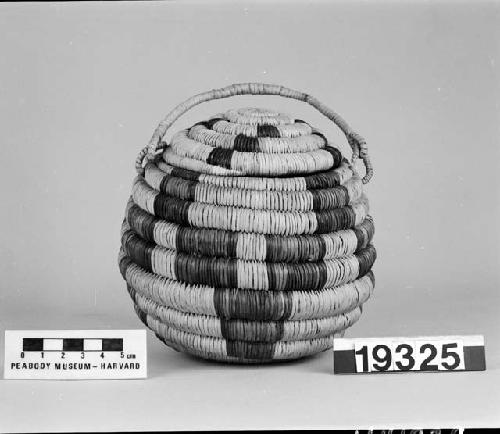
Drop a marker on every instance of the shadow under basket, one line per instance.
(247, 238)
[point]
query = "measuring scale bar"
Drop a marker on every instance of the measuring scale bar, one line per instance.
(75, 354)
(72, 344)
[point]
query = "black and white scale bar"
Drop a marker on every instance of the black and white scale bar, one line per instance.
(75, 354)
(72, 344)
(344, 356)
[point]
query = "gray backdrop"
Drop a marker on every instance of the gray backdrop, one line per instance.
(82, 87)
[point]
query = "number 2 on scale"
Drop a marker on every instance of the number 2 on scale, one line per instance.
(409, 356)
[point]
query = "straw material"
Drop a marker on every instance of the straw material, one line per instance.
(250, 246)
(232, 218)
(326, 179)
(223, 272)
(233, 303)
(247, 238)
(345, 193)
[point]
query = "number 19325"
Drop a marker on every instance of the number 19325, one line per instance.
(409, 356)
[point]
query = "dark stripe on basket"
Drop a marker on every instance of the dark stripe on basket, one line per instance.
(366, 258)
(250, 351)
(296, 277)
(137, 249)
(187, 174)
(253, 331)
(221, 243)
(307, 248)
(178, 187)
(207, 242)
(143, 222)
(336, 154)
(244, 143)
(220, 157)
(332, 220)
(209, 124)
(326, 179)
(216, 272)
(223, 273)
(319, 249)
(251, 304)
(123, 264)
(265, 130)
(323, 198)
(327, 199)
(172, 209)
(295, 248)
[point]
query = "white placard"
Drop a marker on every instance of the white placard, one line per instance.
(404, 354)
(75, 354)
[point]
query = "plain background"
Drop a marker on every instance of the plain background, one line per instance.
(82, 87)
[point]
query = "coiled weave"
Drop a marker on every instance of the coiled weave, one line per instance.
(247, 238)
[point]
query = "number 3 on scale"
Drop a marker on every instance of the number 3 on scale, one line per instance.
(409, 356)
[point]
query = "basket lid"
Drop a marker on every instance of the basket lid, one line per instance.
(251, 142)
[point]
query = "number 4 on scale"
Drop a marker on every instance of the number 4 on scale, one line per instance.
(411, 355)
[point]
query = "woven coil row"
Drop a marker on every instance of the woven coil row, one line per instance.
(248, 239)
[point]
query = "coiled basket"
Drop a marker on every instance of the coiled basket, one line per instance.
(247, 238)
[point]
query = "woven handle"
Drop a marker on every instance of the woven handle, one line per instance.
(357, 143)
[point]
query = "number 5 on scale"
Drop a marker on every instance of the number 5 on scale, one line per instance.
(383, 356)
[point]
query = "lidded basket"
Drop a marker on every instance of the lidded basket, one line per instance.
(247, 238)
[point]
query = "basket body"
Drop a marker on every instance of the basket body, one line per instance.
(248, 239)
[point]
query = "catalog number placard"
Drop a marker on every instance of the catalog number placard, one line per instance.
(405, 354)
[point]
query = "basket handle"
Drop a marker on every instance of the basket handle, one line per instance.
(357, 143)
